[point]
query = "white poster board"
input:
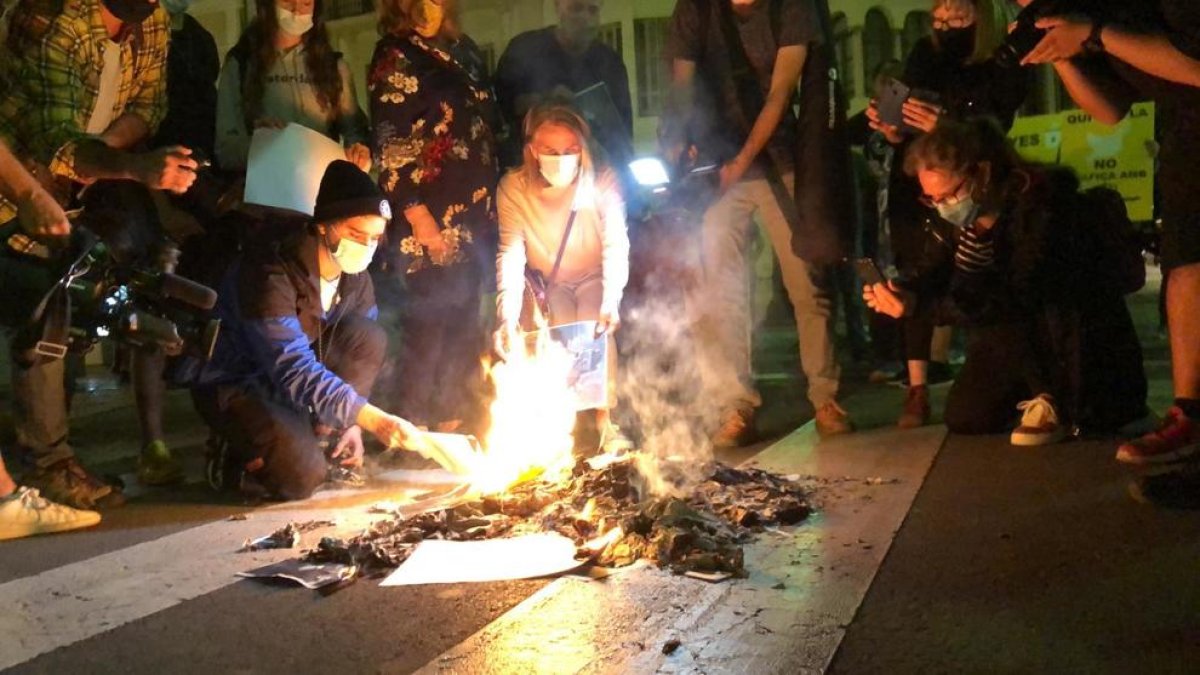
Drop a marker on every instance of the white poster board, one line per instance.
(286, 165)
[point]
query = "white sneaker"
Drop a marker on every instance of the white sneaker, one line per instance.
(25, 513)
(1039, 423)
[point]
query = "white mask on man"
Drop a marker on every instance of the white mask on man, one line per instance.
(292, 23)
(352, 256)
(559, 170)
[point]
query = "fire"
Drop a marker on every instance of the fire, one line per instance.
(604, 541)
(533, 418)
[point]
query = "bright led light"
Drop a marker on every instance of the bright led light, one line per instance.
(649, 172)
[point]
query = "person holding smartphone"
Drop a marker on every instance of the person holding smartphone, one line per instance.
(950, 75)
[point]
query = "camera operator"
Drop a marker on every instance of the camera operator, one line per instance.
(1047, 328)
(794, 172)
(23, 511)
(300, 351)
(1106, 54)
(85, 86)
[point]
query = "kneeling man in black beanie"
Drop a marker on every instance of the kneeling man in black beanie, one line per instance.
(287, 387)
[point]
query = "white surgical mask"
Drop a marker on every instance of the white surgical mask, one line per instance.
(292, 23)
(559, 170)
(352, 256)
(961, 213)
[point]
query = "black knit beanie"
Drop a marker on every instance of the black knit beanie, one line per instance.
(347, 192)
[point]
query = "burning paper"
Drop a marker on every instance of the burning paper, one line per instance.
(451, 562)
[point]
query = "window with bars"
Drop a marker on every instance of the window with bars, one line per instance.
(610, 34)
(878, 44)
(916, 26)
(653, 73)
(342, 9)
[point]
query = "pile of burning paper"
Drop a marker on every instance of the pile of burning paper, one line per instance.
(605, 508)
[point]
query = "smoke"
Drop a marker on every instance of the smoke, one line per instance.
(666, 390)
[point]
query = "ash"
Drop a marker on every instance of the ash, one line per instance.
(702, 529)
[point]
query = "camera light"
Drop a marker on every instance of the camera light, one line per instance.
(102, 332)
(649, 172)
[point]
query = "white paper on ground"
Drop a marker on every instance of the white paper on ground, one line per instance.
(286, 165)
(451, 562)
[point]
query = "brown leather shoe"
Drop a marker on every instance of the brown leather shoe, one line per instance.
(734, 429)
(916, 408)
(833, 420)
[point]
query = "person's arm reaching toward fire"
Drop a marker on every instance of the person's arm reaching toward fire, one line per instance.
(510, 266)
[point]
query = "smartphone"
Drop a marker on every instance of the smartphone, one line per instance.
(891, 103)
(868, 272)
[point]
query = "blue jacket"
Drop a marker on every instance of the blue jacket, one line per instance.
(270, 308)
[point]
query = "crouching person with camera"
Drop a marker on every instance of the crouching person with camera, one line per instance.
(287, 387)
(23, 511)
(1011, 257)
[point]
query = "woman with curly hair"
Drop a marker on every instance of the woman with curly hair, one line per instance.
(434, 115)
(283, 69)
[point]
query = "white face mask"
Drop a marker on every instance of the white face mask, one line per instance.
(352, 256)
(559, 170)
(959, 214)
(292, 23)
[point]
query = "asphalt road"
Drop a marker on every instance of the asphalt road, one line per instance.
(1010, 560)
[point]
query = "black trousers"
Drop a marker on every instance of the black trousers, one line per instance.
(259, 424)
(439, 371)
(1005, 364)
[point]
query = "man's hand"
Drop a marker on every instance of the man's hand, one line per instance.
(1064, 40)
(392, 431)
(41, 216)
(921, 114)
(171, 168)
(359, 155)
(732, 172)
(889, 131)
(608, 323)
(889, 299)
(350, 447)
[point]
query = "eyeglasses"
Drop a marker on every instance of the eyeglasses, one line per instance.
(948, 199)
(953, 22)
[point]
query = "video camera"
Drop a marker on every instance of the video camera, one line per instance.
(1026, 35)
(118, 284)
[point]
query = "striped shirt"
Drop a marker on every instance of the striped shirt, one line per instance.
(976, 250)
(50, 73)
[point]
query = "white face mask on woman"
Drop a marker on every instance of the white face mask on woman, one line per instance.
(961, 213)
(559, 170)
(292, 23)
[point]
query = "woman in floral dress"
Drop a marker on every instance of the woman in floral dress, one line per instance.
(433, 112)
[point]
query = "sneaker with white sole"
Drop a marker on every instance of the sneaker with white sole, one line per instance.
(25, 513)
(1040, 424)
(1177, 437)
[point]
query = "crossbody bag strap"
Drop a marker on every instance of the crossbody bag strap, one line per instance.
(562, 248)
(752, 100)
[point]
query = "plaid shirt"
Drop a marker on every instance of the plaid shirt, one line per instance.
(51, 78)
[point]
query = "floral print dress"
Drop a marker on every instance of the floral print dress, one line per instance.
(434, 113)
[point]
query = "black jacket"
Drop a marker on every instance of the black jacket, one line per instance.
(1033, 264)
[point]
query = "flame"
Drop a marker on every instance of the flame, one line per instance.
(604, 541)
(533, 418)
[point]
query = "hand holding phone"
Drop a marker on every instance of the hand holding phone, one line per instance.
(891, 103)
(868, 272)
